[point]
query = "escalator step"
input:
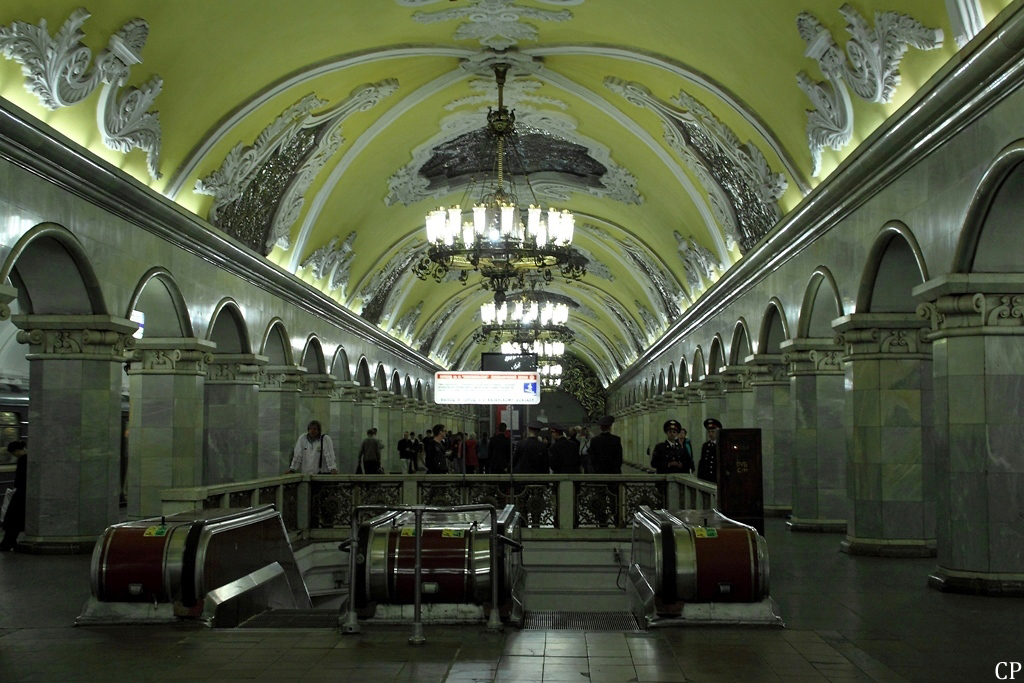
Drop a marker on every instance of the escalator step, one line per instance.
(580, 621)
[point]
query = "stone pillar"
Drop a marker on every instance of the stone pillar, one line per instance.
(773, 414)
(365, 416)
(681, 408)
(385, 403)
(231, 410)
(695, 399)
(819, 438)
(315, 400)
(739, 397)
(165, 427)
(977, 333)
(280, 424)
(888, 401)
(74, 471)
(346, 435)
(713, 387)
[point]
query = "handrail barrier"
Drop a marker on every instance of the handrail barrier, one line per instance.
(322, 507)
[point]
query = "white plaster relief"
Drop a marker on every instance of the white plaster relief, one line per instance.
(698, 262)
(872, 70)
(661, 286)
(334, 260)
(966, 18)
(713, 152)
(243, 163)
(494, 23)
(408, 185)
(57, 72)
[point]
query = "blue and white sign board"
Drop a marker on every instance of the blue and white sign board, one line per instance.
(487, 388)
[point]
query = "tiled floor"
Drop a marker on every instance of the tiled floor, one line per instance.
(848, 619)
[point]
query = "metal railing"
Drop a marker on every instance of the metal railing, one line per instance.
(323, 506)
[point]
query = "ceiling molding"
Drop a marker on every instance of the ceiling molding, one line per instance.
(223, 128)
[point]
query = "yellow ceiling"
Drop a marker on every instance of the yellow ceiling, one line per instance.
(230, 68)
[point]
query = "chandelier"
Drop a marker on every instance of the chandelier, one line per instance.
(543, 349)
(550, 375)
(528, 313)
(498, 237)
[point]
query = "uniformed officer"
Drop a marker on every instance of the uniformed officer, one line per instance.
(707, 469)
(531, 455)
(564, 453)
(671, 456)
(606, 449)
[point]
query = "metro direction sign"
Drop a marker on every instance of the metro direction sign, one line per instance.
(487, 388)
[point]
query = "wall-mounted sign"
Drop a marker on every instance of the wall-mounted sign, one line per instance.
(487, 388)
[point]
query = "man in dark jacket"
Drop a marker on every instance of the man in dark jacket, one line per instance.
(499, 450)
(564, 453)
(707, 468)
(606, 449)
(14, 521)
(670, 456)
(433, 451)
(531, 453)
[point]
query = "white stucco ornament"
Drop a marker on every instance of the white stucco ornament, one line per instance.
(870, 68)
(495, 23)
(57, 71)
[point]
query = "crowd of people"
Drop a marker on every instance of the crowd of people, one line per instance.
(546, 449)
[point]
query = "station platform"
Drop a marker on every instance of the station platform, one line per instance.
(848, 618)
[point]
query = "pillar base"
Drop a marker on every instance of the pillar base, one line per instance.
(56, 546)
(880, 547)
(977, 583)
(818, 526)
(778, 510)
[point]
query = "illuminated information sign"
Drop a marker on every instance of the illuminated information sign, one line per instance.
(487, 388)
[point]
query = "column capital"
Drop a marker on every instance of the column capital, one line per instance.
(737, 378)
(319, 384)
(344, 390)
(767, 369)
(7, 295)
(75, 337)
(235, 368)
(171, 356)
(867, 336)
(972, 304)
(282, 378)
(812, 356)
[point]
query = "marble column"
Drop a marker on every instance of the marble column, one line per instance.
(773, 414)
(681, 411)
(231, 410)
(739, 397)
(74, 472)
(365, 414)
(165, 426)
(695, 400)
(385, 403)
(280, 423)
(713, 388)
(343, 414)
(819, 438)
(315, 400)
(890, 472)
(977, 332)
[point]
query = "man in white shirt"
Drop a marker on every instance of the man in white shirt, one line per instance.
(314, 452)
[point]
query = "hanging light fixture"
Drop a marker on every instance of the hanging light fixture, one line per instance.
(498, 237)
(543, 349)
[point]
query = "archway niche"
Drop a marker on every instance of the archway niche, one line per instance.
(276, 346)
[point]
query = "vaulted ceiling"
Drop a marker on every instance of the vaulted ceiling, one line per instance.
(320, 132)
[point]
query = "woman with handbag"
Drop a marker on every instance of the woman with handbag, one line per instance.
(14, 520)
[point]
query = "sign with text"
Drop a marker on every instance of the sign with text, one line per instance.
(487, 388)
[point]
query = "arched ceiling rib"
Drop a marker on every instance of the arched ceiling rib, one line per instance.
(722, 123)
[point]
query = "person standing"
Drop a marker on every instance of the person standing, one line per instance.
(670, 456)
(531, 453)
(14, 520)
(369, 454)
(707, 468)
(313, 452)
(482, 453)
(499, 451)
(471, 453)
(433, 451)
(407, 451)
(606, 449)
(564, 452)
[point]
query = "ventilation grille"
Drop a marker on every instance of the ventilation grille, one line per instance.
(580, 621)
(294, 618)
